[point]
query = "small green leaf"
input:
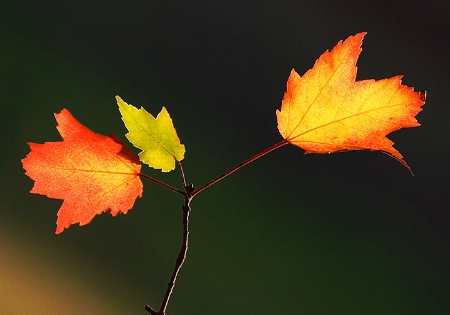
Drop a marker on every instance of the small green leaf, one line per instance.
(156, 137)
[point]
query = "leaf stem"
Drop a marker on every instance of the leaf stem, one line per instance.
(182, 174)
(162, 184)
(234, 169)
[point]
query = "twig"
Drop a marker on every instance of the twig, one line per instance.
(189, 193)
(181, 256)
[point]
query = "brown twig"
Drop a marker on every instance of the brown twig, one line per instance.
(189, 193)
(181, 255)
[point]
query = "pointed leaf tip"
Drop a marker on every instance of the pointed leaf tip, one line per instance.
(156, 137)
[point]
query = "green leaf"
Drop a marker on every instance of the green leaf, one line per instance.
(156, 137)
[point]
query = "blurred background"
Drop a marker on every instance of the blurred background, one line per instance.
(347, 233)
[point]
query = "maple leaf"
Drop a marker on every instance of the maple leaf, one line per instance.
(327, 111)
(90, 172)
(156, 137)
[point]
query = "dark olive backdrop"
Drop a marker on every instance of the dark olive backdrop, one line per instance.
(348, 233)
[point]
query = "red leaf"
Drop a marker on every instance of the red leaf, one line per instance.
(90, 172)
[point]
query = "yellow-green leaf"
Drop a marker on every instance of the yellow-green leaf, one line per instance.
(156, 137)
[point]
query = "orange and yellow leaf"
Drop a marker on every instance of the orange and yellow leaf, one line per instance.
(90, 172)
(326, 110)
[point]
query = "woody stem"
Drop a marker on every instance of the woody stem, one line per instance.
(180, 258)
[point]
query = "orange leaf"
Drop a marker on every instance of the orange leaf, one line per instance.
(327, 111)
(90, 172)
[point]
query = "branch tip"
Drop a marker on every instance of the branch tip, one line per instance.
(150, 310)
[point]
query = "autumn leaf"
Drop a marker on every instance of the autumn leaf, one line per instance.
(156, 137)
(327, 111)
(90, 172)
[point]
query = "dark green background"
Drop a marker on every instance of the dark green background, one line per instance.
(348, 233)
